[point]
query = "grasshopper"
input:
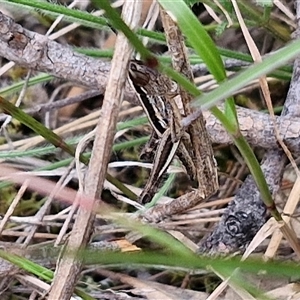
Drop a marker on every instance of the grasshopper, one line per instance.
(156, 93)
(158, 96)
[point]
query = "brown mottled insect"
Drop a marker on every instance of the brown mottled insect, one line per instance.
(155, 92)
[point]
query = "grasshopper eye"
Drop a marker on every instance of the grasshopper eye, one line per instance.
(132, 70)
(138, 74)
(174, 86)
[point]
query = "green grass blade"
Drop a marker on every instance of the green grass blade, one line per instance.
(228, 88)
(15, 87)
(202, 43)
(54, 139)
(197, 36)
(119, 24)
(55, 10)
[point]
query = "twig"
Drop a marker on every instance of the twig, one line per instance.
(35, 51)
